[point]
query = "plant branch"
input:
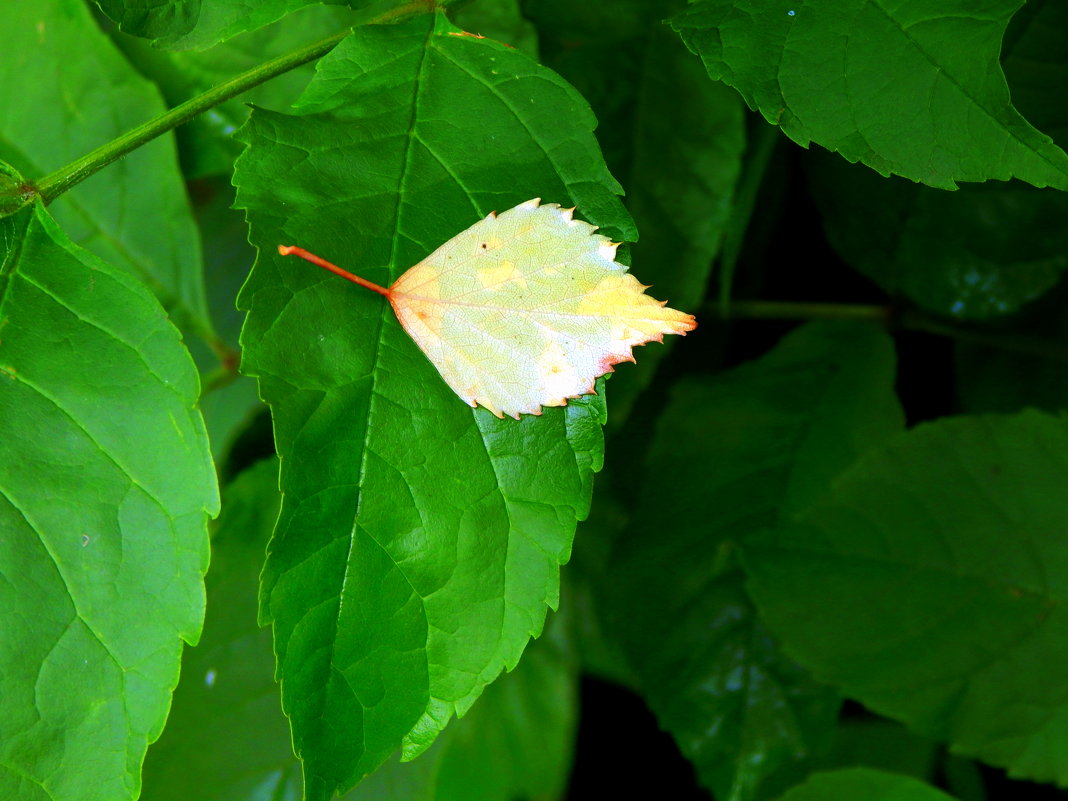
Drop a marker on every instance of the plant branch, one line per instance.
(58, 182)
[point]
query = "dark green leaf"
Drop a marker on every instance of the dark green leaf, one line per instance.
(862, 783)
(1035, 59)
(419, 541)
(105, 488)
(733, 455)
(977, 253)
(910, 89)
(929, 586)
(134, 215)
(500, 20)
(200, 24)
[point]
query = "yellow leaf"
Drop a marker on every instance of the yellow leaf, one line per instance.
(524, 309)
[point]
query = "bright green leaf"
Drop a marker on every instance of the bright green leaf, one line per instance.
(855, 784)
(106, 484)
(908, 88)
(929, 586)
(151, 18)
(757, 444)
(134, 215)
(516, 741)
(977, 253)
(419, 541)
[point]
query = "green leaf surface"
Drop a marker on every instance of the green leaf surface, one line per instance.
(913, 89)
(863, 783)
(516, 742)
(756, 444)
(105, 488)
(151, 18)
(929, 586)
(135, 215)
(419, 540)
(981, 252)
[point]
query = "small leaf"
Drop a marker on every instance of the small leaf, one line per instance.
(524, 309)
(913, 89)
(105, 488)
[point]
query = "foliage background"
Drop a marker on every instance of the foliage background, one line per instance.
(825, 556)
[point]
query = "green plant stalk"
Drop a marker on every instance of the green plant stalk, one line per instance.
(907, 320)
(53, 185)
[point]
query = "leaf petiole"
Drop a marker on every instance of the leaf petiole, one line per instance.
(293, 250)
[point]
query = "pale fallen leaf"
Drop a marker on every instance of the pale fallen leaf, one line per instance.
(524, 309)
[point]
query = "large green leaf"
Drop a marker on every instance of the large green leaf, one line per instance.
(105, 488)
(977, 253)
(930, 586)
(419, 541)
(757, 444)
(854, 784)
(517, 740)
(913, 89)
(135, 214)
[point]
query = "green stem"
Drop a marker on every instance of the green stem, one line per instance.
(53, 185)
(907, 320)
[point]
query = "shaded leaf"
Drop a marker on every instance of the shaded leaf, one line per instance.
(856, 783)
(501, 20)
(1035, 59)
(980, 252)
(206, 143)
(908, 89)
(453, 521)
(135, 214)
(757, 443)
(105, 538)
(929, 586)
(200, 24)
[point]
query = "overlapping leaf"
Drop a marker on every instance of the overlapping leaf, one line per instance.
(757, 444)
(105, 488)
(419, 542)
(905, 88)
(977, 253)
(83, 94)
(931, 586)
